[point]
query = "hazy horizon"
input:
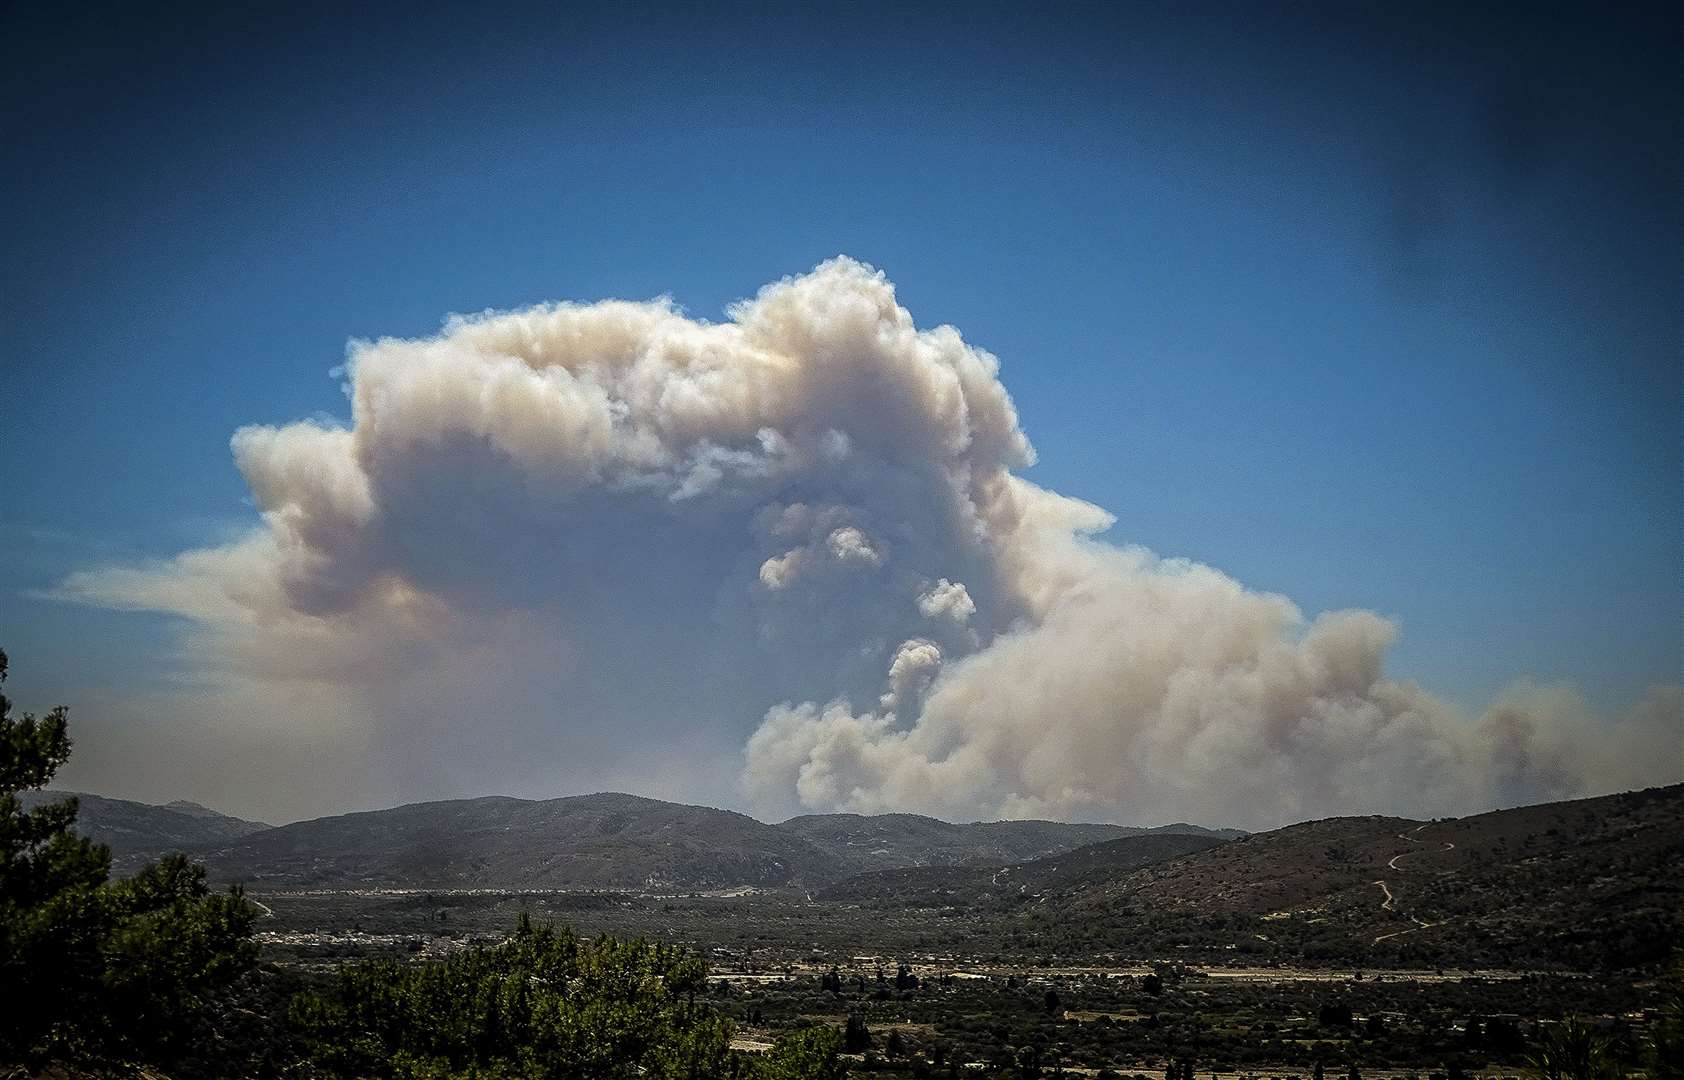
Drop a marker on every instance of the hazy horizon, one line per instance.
(1215, 827)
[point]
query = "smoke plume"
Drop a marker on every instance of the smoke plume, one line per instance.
(787, 559)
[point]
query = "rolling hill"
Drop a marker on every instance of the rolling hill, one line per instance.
(1584, 884)
(139, 832)
(616, 841)
(894, 841)
(587, 841)
(992, 885)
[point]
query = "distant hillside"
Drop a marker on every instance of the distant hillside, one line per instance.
(616, 841)
(1585, 884)
(893, 841)
(1004, 886)
(139, 832)
(588, 841)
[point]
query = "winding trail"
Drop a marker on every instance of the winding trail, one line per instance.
(268, 912)
(1388, 904)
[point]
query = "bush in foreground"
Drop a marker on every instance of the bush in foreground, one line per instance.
(542, 1004)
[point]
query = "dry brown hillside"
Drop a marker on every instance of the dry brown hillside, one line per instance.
(1586, 884)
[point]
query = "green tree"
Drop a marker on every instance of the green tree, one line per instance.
(541, 1004)
(95, 969)
(812, 1053)
(1573, 1050)
(855, 1036)
(1665, 1052)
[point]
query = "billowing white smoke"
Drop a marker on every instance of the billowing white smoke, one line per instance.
(585, 543)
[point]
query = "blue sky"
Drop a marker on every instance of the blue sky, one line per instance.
(1368, 309)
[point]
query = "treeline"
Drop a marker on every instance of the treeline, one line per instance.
(543, 1003)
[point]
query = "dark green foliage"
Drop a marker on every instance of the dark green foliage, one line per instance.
(95, 969)
(809, 1054)
(855, 1037)
(1574, 1050)
(541, 1004)
(1264, 1027)
(1181, 1069)
(1666, 1043)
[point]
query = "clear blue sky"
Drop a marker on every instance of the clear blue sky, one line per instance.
(1368, 308)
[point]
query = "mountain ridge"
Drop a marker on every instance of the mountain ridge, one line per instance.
(600, 840)
(138, 832)
(1585, 883)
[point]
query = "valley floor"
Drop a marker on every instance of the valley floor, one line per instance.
(949, 991)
